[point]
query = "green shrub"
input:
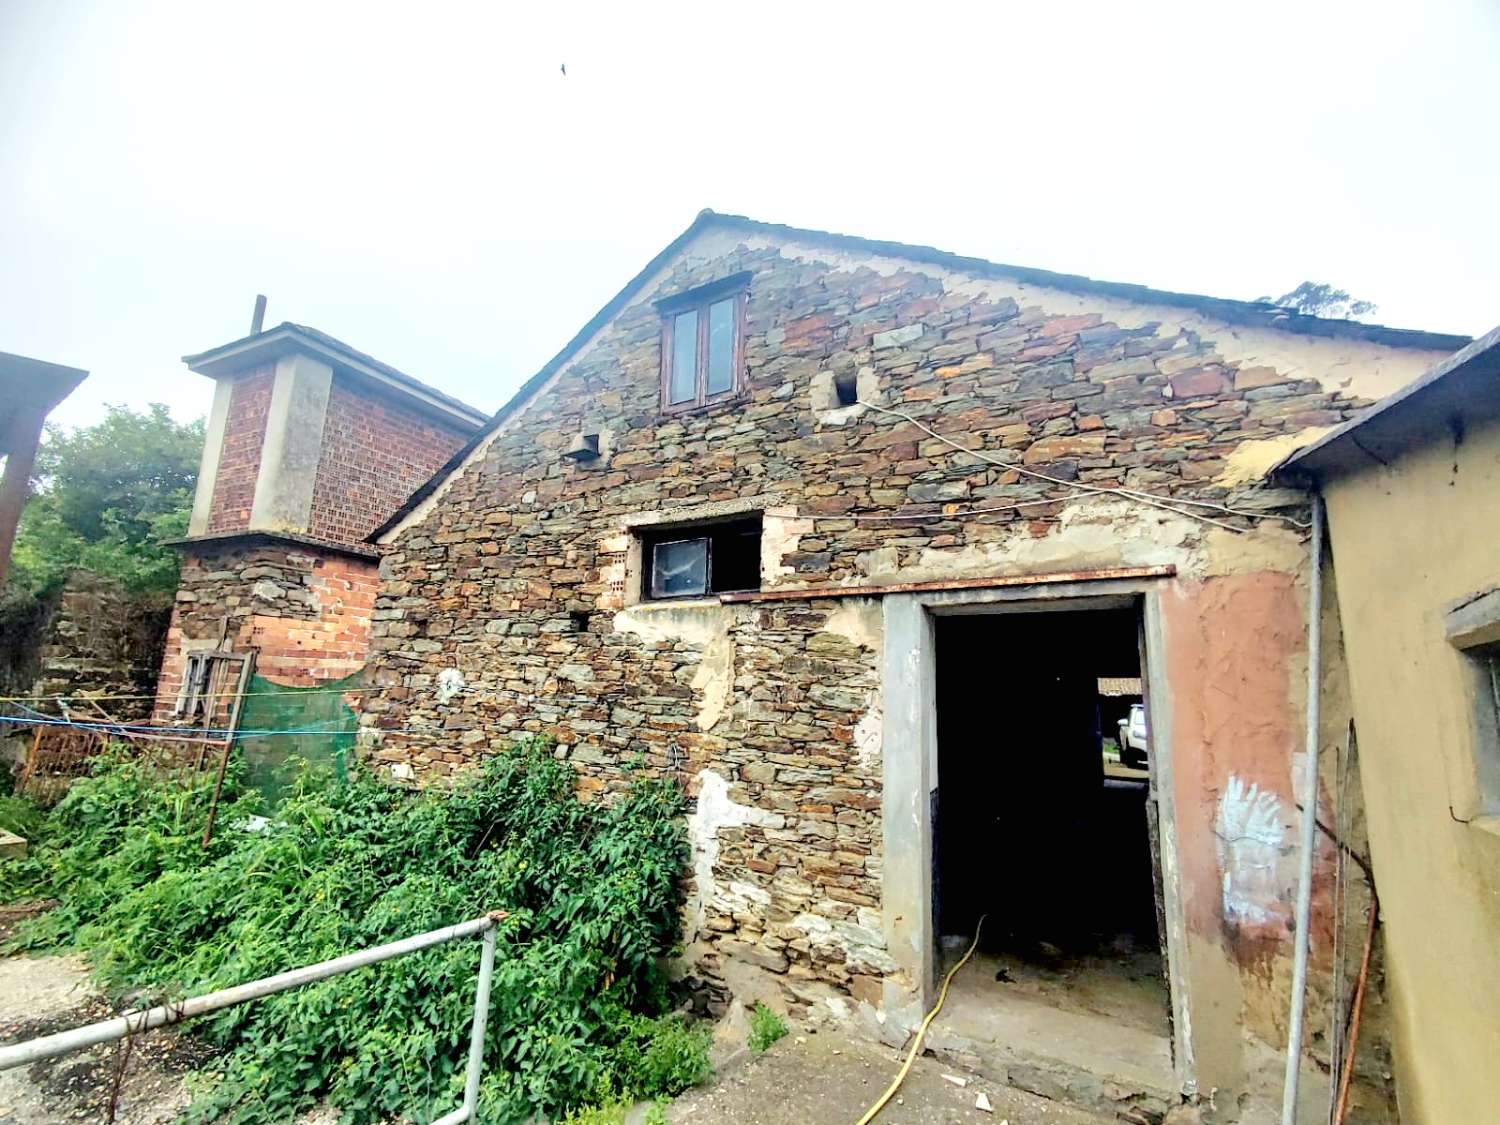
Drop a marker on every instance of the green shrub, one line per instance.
(19, 815)
(664, 1057)
(765, 1027)
(592, 893)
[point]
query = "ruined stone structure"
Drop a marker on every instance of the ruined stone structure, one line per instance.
(799, 713)
(310, 445)
(88, 637)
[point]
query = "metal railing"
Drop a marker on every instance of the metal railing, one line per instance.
(133, 1023)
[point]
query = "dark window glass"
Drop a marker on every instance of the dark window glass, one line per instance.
(684, 384)
(679, 569)
(721, 346)
(703, 346)
(709, 558)
(735, 556)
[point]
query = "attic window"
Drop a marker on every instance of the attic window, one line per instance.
(695, 560)
(703, 344)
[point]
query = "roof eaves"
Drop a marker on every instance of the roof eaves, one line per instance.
(1346, 445)
(1220, 308)
(548, 369)
(282, 337)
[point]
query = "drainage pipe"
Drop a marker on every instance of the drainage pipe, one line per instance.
(1303, 934)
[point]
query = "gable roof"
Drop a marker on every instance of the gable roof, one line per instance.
(286, 338)
(1465, 388)
(1255, 313)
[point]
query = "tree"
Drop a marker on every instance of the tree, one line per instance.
(1316, 298)
(106, 497)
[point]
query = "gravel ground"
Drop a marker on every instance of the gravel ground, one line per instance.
(833, 1077)
(40, 995)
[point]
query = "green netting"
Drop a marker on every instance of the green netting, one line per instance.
(322, 730)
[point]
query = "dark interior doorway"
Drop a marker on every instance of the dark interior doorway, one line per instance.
(1036, 829)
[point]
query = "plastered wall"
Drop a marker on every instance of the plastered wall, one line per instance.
(1410, 539)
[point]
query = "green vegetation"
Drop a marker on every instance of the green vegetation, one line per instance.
(580, 985)
(765, 1028)
(1318, 298)
(17, 814)
(107, 495)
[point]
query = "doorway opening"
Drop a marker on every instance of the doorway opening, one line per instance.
(1043, 828)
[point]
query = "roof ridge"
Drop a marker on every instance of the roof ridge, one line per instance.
(1221, 308)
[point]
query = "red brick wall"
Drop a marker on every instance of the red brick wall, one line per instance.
(376, 453)
(239, 461)
(306, 614)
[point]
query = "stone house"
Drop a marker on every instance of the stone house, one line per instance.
(1412, 489)
(844, 534)
(310, 445)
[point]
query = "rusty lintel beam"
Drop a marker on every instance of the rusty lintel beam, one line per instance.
(811, 593)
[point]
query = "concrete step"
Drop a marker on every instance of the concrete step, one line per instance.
(1077, 1058)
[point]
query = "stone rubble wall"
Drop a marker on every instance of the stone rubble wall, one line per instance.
(515, 580)
(92, 637)
(305, 612)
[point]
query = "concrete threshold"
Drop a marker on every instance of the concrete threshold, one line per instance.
(1084, 1060)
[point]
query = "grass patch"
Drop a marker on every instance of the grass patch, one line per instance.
(765, 1027)
(579, 990)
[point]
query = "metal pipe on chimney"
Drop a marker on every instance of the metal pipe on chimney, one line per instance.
(257, 321)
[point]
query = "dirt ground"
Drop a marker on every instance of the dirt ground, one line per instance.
(41, 995)
(822, 1076)
(833, 1077)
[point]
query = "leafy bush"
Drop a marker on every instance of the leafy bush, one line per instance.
(19, 815)
(765, 1028)
(579, 985)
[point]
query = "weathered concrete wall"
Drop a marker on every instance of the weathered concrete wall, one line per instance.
(517, 576)
(1410, 539)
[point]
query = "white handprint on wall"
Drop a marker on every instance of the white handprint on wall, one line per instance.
(1250, 832)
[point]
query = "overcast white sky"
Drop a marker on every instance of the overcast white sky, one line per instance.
(422, 182)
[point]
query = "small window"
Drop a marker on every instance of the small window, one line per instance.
(1473, 627)
(701, 559)
(703, 344)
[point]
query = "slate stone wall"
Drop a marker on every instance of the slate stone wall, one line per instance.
(517, 581)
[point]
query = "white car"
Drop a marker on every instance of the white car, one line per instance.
(1133, 737)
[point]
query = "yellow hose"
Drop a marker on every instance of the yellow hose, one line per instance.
(916, 1047)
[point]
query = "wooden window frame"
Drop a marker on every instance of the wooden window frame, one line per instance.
(700, 300)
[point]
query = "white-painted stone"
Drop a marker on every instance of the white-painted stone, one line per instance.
(715, 811)
(450, 682)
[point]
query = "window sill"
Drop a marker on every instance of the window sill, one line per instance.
(691, 601)
(672, 415)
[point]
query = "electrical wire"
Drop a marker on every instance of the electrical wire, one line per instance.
(180, 733)
(88, 697)
(1166, 503)
(916, 1047)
